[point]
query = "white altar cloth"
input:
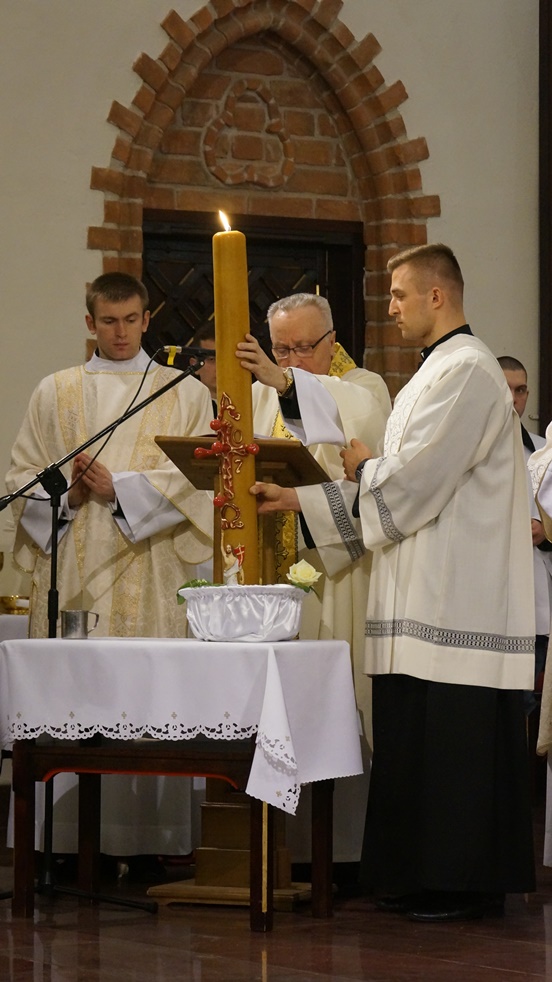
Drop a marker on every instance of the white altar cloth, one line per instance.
(298, 697)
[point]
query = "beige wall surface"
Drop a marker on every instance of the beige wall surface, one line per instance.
(471, 73)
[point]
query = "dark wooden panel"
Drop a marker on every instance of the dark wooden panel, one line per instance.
(284, 257)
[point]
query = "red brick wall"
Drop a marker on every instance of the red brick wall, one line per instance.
(270, 107)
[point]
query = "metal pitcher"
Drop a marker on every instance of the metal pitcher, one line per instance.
(74, 623)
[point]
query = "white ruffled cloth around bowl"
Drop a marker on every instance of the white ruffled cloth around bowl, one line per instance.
(244, 613)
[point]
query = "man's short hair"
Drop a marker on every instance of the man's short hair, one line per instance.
(115, 288)
(204, 333)
(298, 300)
(509, 364)
(434, 259)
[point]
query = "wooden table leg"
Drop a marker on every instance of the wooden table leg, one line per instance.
(261, 875)
(24, 830)
(322, 848)
(89, 832)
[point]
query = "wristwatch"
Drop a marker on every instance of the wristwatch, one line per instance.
(288, 375)
(359, 469)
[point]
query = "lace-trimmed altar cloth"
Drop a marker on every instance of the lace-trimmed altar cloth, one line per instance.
(297, 696)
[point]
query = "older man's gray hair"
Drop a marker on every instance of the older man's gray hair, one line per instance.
(297, 300)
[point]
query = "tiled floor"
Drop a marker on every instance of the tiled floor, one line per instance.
(68, 943)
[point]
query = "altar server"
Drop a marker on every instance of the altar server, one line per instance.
(450, 617)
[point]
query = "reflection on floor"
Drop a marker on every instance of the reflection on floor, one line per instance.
(66, 942)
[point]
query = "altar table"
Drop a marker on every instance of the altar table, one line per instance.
(296, 699)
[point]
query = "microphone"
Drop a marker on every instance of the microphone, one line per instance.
(171, 350)
(188, 349)
(176, 349)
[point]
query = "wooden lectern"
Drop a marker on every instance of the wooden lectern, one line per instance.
(222, 860)
(284, 462)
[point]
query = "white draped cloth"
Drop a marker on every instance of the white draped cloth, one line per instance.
(297, 697)
(542, 561)
(541, 475)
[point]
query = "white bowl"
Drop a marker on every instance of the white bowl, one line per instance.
(243, 613)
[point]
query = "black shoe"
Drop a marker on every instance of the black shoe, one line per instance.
(442, 907)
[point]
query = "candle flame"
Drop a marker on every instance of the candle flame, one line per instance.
(225, 222)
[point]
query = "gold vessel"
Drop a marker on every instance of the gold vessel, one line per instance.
(14, 605)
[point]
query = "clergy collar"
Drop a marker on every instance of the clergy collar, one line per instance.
(137, 364)
(425, 352)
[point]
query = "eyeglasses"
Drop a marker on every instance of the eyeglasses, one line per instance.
(301, 350)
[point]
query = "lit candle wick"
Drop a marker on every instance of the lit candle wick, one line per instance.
(225, 222)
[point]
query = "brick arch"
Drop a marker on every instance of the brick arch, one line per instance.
(358, 164)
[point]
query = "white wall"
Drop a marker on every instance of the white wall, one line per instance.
(470, 69)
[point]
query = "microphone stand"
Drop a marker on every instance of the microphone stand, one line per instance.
(55, 483)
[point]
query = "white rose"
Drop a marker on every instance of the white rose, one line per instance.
(303, 575)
